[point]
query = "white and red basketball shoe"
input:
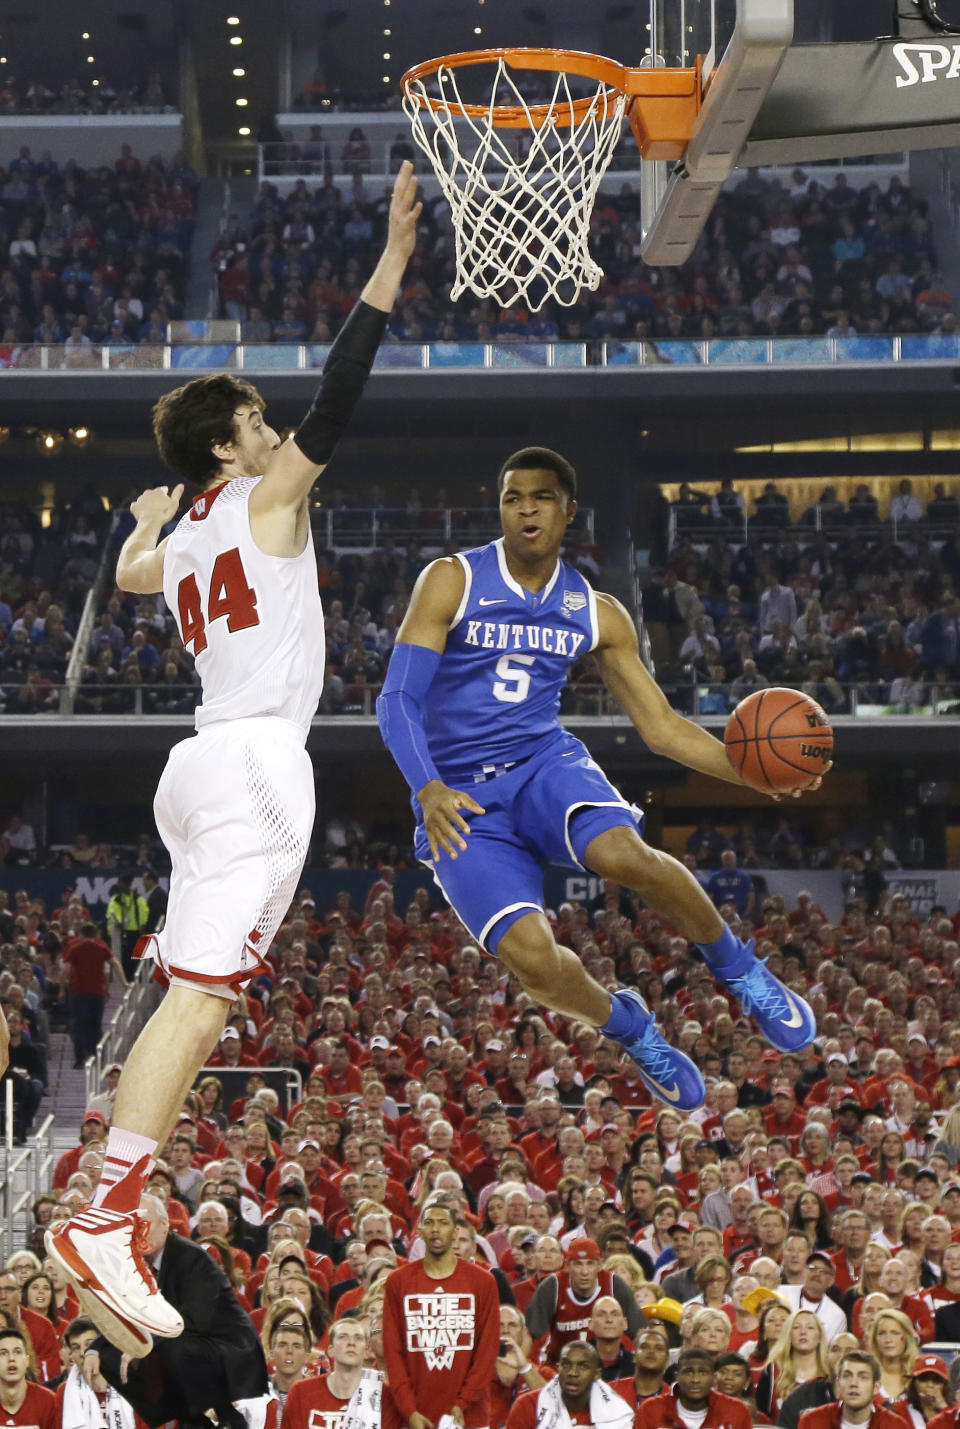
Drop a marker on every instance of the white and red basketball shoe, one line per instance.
(101, 1253)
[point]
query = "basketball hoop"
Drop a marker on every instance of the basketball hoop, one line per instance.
(521, 210)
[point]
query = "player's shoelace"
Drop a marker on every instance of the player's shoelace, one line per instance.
(759, 991)
(140, 1249)
(650, 1047)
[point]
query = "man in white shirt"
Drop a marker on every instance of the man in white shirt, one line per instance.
(812, 1295)
(905, 506)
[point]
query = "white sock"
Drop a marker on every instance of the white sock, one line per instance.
(127, 1163)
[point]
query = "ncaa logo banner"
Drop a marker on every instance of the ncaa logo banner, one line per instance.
(439, 1325)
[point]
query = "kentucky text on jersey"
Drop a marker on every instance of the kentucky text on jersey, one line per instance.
(495, 697)
(491, 635)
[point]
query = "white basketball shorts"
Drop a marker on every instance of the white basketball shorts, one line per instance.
(235, 809)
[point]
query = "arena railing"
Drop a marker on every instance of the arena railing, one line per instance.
(362, 528)
(689, 693)
(137, 1005)
(25, 1172)
(518, 353)
(305, 154)
(699, 529)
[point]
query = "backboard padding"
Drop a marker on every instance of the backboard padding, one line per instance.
(741, 44)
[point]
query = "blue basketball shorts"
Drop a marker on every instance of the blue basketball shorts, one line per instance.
(546, 810)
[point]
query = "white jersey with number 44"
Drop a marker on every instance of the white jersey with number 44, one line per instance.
(253, 622)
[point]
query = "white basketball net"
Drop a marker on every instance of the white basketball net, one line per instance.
(522, 223)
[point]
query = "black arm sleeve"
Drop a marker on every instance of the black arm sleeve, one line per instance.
(542, 1308)
(345, 374)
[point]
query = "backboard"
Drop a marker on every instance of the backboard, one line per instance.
(738, 46)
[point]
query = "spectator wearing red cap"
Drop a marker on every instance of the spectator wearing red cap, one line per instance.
(562, 1304)
(93, 1128)
(855, 1384)
(783, 1117)
(929, 1395)
(441, 1331)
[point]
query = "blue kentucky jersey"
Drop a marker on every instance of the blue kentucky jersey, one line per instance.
(496, 694)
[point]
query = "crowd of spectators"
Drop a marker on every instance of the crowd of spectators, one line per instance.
(92, 255)
(779, 257)
(45, 574)
(812, 1201)
(842, 603)
(87, 96)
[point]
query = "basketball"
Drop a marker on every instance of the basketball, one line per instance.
(778, 740)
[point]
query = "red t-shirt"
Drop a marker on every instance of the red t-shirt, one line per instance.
(311, 1404)
(440, 1341)
(523, 1413)
(46, 1343)
(88, 960)
(38, 1410)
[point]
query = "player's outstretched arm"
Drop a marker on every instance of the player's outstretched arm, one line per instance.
(299, 461)
(640, 697)
(140, 564)
(420, 643)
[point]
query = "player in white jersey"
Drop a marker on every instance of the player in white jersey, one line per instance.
(235, 804)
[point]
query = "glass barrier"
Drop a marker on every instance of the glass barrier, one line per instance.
(516, 353)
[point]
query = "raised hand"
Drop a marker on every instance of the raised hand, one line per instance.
(405, 213)
(158, 504)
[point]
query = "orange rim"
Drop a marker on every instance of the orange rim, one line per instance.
(515, 116)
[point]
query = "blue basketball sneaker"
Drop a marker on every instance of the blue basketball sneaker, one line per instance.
(667, 1072)
(785, 1020)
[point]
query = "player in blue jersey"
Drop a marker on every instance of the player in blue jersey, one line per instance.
(470, 712)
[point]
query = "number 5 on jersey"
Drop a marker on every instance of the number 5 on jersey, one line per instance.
(230, 595)
(513, 685)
